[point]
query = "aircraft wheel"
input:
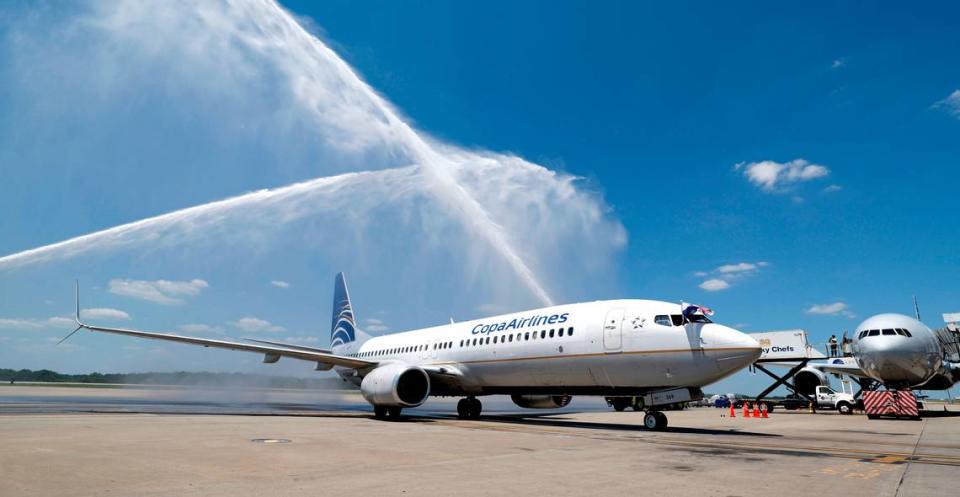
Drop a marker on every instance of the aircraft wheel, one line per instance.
(650, 421)
(475, 408)
(463, 409)
(393, 413)
(661, 420)
(380, 412)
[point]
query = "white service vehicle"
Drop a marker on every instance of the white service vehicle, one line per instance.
(827, 398)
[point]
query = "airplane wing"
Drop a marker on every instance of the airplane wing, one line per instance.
(846, 366)
(271, 352)
(840, 367)
(289, 345)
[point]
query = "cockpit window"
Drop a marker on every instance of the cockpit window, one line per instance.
(903, 331)
(889, 331)
(662, 320)
(677, 319)
(862, 334)
(873, 333)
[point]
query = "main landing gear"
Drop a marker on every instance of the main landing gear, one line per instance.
(654, 420)
(469, 408)
(387, 413)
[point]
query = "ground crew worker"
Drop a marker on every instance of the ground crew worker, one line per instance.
(833, 345)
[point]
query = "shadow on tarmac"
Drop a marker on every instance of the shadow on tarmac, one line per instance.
(548, 419)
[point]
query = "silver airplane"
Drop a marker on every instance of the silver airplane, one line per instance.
(896, 351)
(659, 350)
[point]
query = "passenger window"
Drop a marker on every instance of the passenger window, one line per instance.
(662, 320)
(494, 339)
(526, 336)
(570, 331)
(488, 341)
(888, 331)
(551, 333)
(560, 332)
(511, 336)
(543, 333)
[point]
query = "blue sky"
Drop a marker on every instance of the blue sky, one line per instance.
(789, 166)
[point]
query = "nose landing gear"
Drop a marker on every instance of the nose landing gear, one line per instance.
(469, 408)
(654, 420)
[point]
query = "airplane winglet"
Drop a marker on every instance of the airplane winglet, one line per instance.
(77, 295)
(76, 317)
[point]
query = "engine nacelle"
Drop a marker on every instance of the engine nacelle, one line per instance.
(541, 401)
(396, 385)
(808, 379)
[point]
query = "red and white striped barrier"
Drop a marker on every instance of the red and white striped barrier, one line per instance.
(891, 403)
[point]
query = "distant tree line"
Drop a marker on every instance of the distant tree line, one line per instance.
(175, 378)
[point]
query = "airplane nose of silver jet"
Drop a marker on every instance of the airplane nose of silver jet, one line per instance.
(733, 349)
(897, 360)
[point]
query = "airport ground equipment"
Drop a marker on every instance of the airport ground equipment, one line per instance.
(788, 348)
(843, 402)
(896, 403)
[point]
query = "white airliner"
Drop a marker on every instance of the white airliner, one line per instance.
(896, 351)
(660, 350)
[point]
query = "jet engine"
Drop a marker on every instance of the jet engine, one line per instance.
(396, 385)
(541, 401)
(808, 379)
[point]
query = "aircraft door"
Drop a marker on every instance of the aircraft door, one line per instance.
(612, 326)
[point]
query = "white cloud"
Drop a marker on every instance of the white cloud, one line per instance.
(61, 322)
(105, 313)
(832, 189)
(833, 309)
(307, 339)
(201, 329)
(776, 177)
(375, 325)
(951, 104)
(280, 284)
(253, 325)
(728, 273)
(714, 285)
(838, 63)
(18, 324)
(737, 268)
(159, 291)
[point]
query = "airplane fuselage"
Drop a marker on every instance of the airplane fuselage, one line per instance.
(597, 348)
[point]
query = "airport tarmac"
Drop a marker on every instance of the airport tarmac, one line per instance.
(195, 441)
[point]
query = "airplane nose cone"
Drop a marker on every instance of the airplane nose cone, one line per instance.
(733, 349)
(896, 360)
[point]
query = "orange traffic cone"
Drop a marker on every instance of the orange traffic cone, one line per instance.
(733, 413)
(746, 410)
(763, 411)
(756, 409)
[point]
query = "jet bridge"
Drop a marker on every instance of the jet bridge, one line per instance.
(788, 348)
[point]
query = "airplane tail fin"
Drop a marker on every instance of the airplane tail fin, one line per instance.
(343, 328)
